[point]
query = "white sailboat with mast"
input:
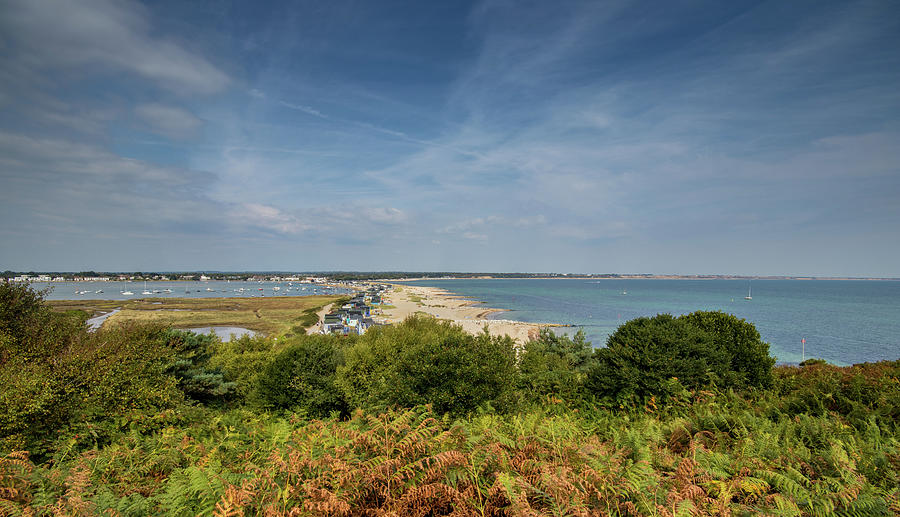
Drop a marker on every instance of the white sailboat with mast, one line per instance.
(749, 292)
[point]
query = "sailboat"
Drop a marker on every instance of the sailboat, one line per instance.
(126, 292)
(749, 289)
(145, 288)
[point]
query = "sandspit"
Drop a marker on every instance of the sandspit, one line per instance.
(405, 300)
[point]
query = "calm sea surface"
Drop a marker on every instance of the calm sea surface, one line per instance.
(843, 322)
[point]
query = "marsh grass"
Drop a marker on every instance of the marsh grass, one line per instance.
(271, 316)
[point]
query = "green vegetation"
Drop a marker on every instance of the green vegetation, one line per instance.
(303, 377)
(272, 316)
(423, 419)
(554, 366)
(657, 358)
(426, 361)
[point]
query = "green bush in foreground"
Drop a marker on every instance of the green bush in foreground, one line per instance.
(240, 361)
(658, 357)
(302, 377)
(750, 362)
(196, 378)
(97, 377)
(426, 361)
(554, 365)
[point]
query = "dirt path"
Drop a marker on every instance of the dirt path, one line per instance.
(314, 329)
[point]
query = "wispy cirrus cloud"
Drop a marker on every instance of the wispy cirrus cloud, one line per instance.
(168, 120)
(103, 33)
(620, 136)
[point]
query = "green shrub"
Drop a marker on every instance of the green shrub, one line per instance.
(425, 361)
(858, 393)
(661, 356)
(554, 365)
(655, 357)
(302, 376)
(55, 374)
(29, 328)
(241, 360)
(98, 376)
(751, 364)
(197, 379)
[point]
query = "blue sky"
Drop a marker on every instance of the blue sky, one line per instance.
(663, 137)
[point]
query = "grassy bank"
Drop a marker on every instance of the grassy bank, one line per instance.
(273, 316)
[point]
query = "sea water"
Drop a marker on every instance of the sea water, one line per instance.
(842, 321)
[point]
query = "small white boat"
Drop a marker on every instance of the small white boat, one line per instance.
(127, 293)
(748, 297)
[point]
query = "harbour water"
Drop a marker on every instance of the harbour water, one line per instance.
(842, 321)
(180, 289)
(224, 333)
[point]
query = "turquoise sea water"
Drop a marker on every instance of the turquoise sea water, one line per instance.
(843, 322)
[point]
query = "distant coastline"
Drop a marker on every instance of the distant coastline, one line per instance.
(322, 277)
(645, 277)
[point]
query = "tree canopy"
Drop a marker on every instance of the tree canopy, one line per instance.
(659, 356)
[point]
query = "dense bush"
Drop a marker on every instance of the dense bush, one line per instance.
(860, 393)
(196, 377)
(241, 360)
(425, 361)
(29, 328)
(302, 377)
(657, 357)
(55, 375)
(751, 365)
(554, 365)
(97, 376)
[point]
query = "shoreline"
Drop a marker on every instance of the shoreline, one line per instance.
(647, 277)
(406, 300)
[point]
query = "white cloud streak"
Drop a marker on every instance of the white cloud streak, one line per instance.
(169, 120)
(107, 33)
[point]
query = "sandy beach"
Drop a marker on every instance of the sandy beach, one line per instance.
(406, 300)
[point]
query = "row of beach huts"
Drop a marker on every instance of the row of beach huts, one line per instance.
(355, 316)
